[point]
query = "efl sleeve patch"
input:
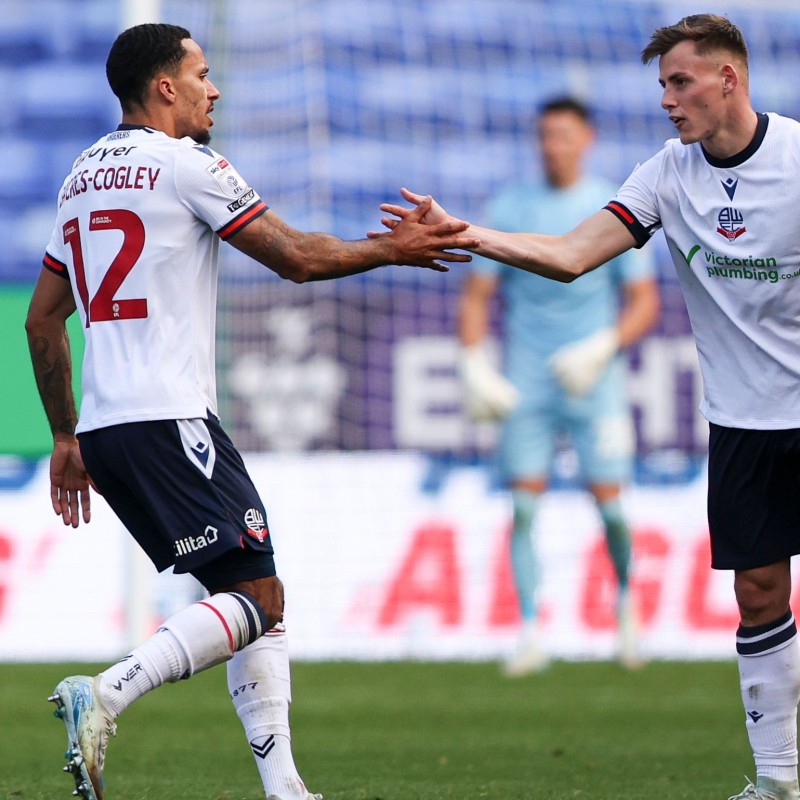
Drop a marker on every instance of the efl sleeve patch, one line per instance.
(229, 180)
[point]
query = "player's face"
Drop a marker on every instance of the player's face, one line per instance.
(195, 95)
(693, 92)
(563, 139)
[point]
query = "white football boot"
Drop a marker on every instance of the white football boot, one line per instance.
(309, 797)
(88, 727)
(768, 790)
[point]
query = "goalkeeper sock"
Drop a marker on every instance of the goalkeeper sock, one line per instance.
(196, 638)
(260, 688)
(523, 555)
(769, 678)
(618, 539)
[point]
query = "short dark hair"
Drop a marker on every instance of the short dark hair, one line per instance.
(709, 32)
(568, 104)
(138, 55)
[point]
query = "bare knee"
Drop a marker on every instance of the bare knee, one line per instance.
(268, 593)
(763, 593)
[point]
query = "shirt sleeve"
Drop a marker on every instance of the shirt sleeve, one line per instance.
(54, 255)
(215, 192)
(636, 202)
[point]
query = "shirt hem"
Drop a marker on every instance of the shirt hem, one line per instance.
(200, 412)
(749, 424)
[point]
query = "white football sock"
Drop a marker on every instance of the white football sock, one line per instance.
(769, 677)
(196, 638)
(260, 687)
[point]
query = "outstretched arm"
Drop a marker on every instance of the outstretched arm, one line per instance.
(51, 304)
(302, 257)
(596, 240)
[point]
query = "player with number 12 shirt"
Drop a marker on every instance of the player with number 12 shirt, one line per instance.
(135, 249)
(139, 221)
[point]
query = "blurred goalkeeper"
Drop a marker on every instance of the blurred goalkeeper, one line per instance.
(564, 370)
(135, 250)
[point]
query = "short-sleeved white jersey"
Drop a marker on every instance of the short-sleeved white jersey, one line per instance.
(137, 234)
(732, 229)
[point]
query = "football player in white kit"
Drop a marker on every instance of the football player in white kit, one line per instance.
(134, 249)
(726, 194)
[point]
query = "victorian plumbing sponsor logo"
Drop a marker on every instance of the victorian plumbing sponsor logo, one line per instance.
(747, 268)
(730, 225)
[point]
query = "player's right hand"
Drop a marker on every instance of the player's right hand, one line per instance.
(69, 482)
(488, 394)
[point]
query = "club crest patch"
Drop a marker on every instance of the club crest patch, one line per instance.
(256, 524)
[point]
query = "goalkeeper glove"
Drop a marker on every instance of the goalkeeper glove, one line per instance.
(488, 395)
(579, 365)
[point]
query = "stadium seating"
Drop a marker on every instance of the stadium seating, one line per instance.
(52, 57)
(393, 96)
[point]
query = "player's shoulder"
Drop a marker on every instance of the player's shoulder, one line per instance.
(786, 128)
(673, 157)
(782, 122)
(674, 150)
(189, 148)
(195, 157)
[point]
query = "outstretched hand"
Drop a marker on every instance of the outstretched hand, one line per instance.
(433, 215)
(69, 483)
(424, 234)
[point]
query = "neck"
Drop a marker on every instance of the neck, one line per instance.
(150, 120)
(733, 137)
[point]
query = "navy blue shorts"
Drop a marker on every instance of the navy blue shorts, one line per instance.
(753, 496)
(181, 488)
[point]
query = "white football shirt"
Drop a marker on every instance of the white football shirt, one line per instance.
(732, 230)
(137, 234)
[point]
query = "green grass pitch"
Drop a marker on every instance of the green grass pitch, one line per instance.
(409, 731)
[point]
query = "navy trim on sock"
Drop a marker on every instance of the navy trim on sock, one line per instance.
(760, 639)
(257, 622)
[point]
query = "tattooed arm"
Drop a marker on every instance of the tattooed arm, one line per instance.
(300, 257)
(51, 304)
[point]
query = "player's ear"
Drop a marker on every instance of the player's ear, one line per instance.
(164, 87)
(730, 78)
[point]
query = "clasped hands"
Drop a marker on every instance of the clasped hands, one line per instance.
(426, 211)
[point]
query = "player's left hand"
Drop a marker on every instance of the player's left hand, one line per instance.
(69, 482)
(415, 243)
(578, 366)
